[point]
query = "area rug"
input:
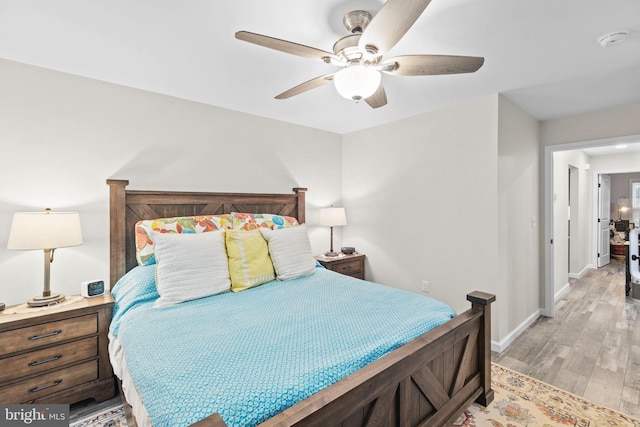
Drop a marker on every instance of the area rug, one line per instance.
(523, 401)
(519, 401)
(108, 417)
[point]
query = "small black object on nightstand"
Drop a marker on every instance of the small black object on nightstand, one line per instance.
(2, 306)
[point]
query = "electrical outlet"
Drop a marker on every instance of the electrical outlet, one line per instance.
(426, 287)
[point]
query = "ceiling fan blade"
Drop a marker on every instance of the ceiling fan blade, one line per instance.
(286, 46)
(390, 24)
(378, 99)
(308, 85)
(431, 65)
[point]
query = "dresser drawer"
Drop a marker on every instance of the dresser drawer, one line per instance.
(49, 358)
(350, 268)
(52, 382)
(48, 333)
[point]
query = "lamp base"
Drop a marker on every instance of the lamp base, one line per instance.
(42, 301)
(331, 254)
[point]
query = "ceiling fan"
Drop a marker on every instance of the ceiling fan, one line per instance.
(359, 54)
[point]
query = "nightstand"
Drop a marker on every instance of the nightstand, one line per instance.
(56, 354)
(351, 265)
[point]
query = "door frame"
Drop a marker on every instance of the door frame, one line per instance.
(574, 204)
(547, 205)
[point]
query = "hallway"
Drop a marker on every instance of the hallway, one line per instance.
(591, 348)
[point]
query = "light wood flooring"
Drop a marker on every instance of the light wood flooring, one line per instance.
(591, 348)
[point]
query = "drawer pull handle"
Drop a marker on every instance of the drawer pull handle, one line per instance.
(37, 389)
(52, 334)
(41, 362)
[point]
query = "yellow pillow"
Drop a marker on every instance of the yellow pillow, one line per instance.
(249, 261)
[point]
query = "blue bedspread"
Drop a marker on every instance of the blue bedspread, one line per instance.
(252, 354)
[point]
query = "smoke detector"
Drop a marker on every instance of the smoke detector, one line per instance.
(614, 37)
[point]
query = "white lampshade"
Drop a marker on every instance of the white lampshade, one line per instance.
(332, 217)
(623, 202)
(44, 230)
(357, 82)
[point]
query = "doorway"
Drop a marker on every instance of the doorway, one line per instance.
(557, 250)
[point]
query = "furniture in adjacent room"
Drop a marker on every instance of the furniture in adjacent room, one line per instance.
(351, 265)
(56, 354)
(619, 235)
(617, 250)
(428, 381)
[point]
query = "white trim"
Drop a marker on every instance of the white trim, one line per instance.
(634, 214)
(581, 274)
(595, 208)
(549, 303)
(499, 347)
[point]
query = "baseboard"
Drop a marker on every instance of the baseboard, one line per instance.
(562, 292)
(581, 273)
(499, 347)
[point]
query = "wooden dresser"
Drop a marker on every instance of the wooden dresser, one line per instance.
(351, 265)
(56, 354)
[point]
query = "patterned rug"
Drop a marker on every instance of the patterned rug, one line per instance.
(108, 417)
(524, 401)
(519, 401)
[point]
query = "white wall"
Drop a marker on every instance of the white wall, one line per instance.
(422, 199)
(62, 136)
(518, 216)
(597, 125)
(581, 241)
(449, 197)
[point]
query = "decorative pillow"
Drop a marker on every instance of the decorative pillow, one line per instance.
(290, 252)
(249, 261)
(180, 225)
(248, 221)
(190, 266)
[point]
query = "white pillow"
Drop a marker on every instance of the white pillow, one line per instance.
(190, 266)
(290, 252)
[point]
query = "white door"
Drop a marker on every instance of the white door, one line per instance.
(604, 206)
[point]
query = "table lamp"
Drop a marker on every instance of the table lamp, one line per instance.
(623, 206)
(332, 217)
(47, 231)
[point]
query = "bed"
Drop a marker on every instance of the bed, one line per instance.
(427, 381)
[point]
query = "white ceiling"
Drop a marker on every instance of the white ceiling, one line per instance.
(541, 54)
(611, 149)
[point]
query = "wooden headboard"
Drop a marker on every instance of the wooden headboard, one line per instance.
(127, 207)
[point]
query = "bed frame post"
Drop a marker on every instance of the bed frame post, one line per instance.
(300, 192)
(482, 301)
(117, 228)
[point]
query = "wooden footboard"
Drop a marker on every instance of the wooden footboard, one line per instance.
(427, 382)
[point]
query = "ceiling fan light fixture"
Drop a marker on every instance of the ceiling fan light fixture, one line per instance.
(357, 82)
